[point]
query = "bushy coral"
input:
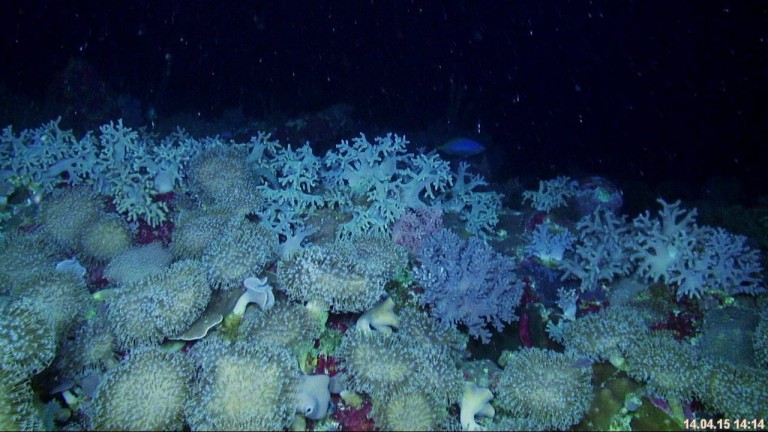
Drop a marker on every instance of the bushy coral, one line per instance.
(604, 335)
(734, 391)
(467, 282)
(17, 411)
(67, 213)
(137, 263)
(241, 386)
(27, 336)
(105, 238)
(159, 306)
(145, 392)
(414, 225)
(670, 368)
(344, 275)
(195, 230)
(243, 251)
(546, 387)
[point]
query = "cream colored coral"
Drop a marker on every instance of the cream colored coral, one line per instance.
(381, 317)
(475, 402)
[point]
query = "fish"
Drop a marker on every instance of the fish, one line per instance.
(462, 147)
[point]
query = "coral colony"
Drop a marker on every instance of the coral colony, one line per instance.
(161, 283)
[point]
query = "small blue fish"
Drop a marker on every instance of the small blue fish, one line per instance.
(462, 147)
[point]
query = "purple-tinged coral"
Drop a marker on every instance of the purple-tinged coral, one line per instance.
(467, 282)
(414, 225)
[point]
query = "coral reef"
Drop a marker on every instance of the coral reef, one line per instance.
(735, 392)
(696, 260)
(410, 410)
(601, 251)
(67, 213)
(16, 403)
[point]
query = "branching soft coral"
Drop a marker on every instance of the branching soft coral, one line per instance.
(467, 282)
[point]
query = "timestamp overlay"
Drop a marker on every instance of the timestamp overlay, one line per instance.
(746, 424)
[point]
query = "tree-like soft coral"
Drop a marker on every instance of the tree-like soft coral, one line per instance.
(695, 260)
(145, 392)
(27, 336)
(546, 387)
(66, 214)
(241, 386)
(243, 251)
(344, 275)
(159, 306)
(601, 251)
(467, 282)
